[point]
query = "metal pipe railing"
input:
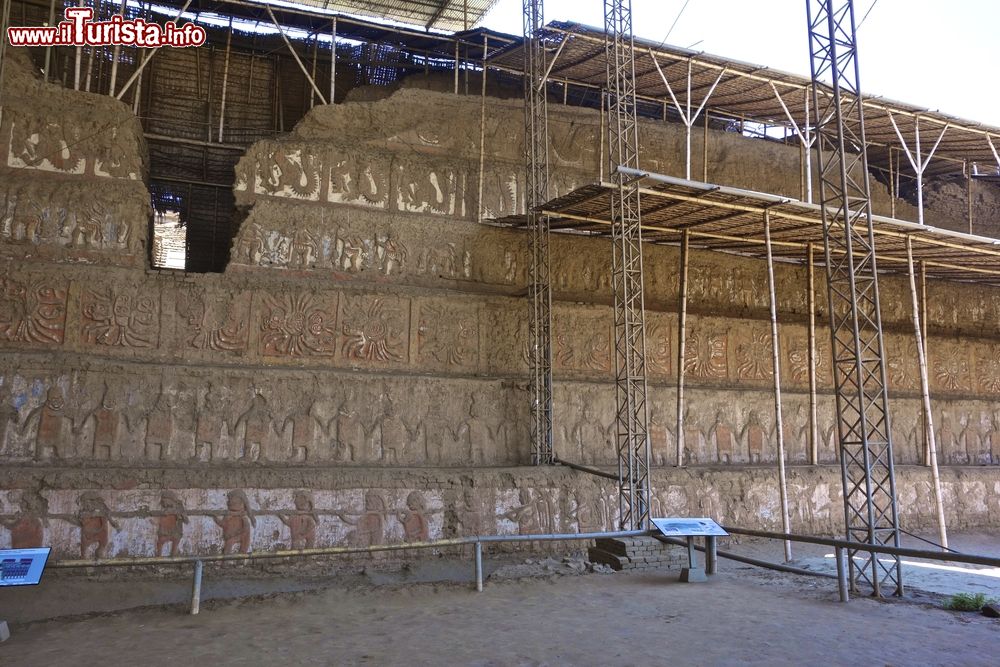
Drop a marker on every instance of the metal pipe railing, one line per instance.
(477, 541)
(948, 557)
(586, 469)
(842, 547)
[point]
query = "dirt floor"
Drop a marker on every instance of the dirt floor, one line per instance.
(744, 615)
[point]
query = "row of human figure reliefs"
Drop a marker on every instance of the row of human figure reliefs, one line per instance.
(277, 418)
(73, 220)
(106, 524)
(227, 320)
(119, 519)
(729, 427)
(256, 420)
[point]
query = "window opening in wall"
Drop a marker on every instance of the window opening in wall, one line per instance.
(169, 240)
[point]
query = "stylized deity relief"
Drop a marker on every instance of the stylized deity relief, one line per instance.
(988, 369)
(754, 356)
(213, 320)
(705, 354)
(448, 334)
(119, 317)
(32, 311)
(951, 367)
(298, 325)
(373, 329)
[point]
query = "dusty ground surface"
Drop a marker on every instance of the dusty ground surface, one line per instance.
(744, 615)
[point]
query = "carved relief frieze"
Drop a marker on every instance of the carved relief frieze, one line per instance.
(581, 341)
(120, 316)
(448, 334)
(706, 350)
(213, 320)
(298, 324)
(374, 329)
(32, 309)
(951, 367)
(754, 357)
(359, 180)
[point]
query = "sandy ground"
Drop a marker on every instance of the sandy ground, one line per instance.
(744, 615)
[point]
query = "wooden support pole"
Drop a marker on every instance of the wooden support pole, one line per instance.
(779, 426)
(926, 398)
(682, 300)
(456, 67)
(813, 409)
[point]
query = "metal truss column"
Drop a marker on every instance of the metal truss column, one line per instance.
(536, 138)
(632, 419)
(852, 280)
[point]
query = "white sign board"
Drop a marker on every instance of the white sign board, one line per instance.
(689, 527)
(22, 567)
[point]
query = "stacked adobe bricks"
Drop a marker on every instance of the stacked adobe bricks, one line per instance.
(637, 553)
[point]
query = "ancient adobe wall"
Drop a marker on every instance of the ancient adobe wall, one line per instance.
(146, 510)
(359, 372)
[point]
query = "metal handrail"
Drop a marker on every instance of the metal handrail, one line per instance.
(477, 541)
(842, 548)
(953, 557)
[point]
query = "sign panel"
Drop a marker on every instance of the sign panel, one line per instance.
(22, 567)
(689, 527)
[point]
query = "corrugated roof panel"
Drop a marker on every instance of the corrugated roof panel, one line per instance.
(450, 15)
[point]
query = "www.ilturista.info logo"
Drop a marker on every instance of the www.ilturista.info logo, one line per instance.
(79, 30)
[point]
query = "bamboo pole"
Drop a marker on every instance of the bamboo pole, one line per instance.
(482, 132)
(600, 162)
(704, 151)
(48, 49)
(776, 360)
(281, 31)
(968, 192)
(682, 301)
(926, 399)
(149, 57)
(225, 80)
(333, 59)
(813, 411)
(114, 56)
(923, 331)
(76, 65)
(312, 94)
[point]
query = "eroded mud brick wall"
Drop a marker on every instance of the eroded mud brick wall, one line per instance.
(359, 375)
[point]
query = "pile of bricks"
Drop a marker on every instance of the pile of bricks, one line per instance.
(637, 553)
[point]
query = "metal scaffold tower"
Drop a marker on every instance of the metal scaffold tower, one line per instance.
(855, 318)
(536, 137)
(632, 421)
